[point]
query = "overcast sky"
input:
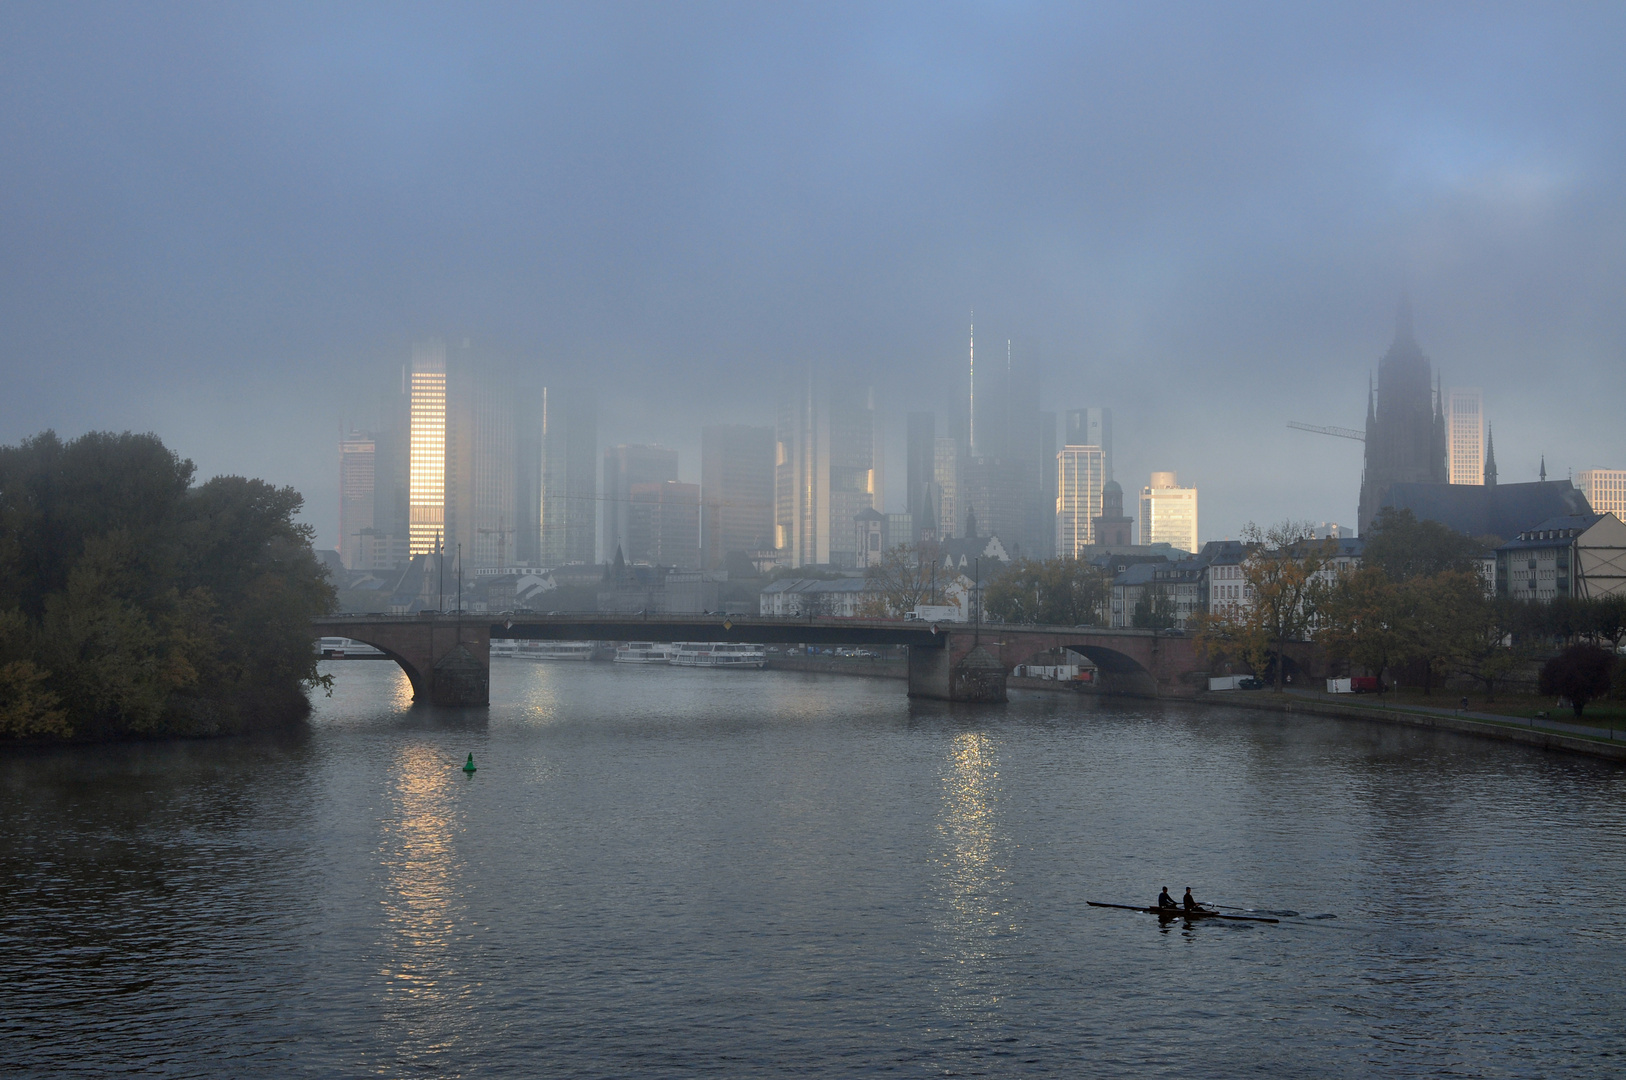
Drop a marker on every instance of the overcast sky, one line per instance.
(226, 223)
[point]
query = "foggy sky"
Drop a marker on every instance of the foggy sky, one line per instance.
(226, 224)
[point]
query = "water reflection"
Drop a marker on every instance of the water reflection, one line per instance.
(422, 868)
(971, 875)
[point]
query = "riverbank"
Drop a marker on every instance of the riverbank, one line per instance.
(1548, 734)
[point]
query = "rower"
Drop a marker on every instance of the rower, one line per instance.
(1191, 901)
(1165, 900)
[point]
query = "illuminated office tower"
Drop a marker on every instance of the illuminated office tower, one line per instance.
(358, 452)
(1091, 427)
(426, 389)
(1465, 435)
(1080, 477)
(827, 469)
(1605, 489)
(1168, 513)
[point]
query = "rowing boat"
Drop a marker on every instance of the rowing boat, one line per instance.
(1171, 913)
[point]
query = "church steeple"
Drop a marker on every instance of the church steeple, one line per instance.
(1544, 468)
(1490, 458)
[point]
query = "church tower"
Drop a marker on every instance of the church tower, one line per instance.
(1405, 422)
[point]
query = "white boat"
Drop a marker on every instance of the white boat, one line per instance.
(343, 648)
(644, 652)
(522, 649)
(719, 654)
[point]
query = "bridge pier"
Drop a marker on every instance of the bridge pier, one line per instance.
(447, 659)
(962, 670)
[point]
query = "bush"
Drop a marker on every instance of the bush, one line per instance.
(1581, 673)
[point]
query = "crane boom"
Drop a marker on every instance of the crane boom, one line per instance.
(1341, 432)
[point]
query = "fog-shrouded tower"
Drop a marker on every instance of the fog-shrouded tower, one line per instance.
(1405, 422)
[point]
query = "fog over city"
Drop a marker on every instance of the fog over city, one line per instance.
(228, 224)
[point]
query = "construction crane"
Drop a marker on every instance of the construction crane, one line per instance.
(1341, 432)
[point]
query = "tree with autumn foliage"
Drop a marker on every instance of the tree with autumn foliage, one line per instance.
(1282, 586)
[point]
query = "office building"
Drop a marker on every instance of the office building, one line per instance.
(358, 454)
(1080, 482)
(1405, 423)
(569, 477)
(625, 466)
(920, 468)
(426, 388)
(736, 491)
(1605, 490)
(1168, 513)
(1576, 555)
(828, 469)
(663, 524)
(1091, 427)
(1465, 435)
(946, 479)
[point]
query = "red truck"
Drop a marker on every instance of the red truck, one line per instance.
(1365, 684)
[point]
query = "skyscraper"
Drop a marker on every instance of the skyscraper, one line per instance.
(946, 478)
(426, 388)
(828, 469)
(736, 490)
(1091, 427)
(663, 524)
(625, 466)
(1080, 476)
(569, 474)
(1168, 513)
(358, 453)
(1405, 422)
(920, 461)
(1465, 435)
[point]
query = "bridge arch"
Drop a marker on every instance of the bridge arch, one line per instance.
(420, 686)
(1118, 671)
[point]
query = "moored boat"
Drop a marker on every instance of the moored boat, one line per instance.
(719, 654)
(544, 650)
(644, 652)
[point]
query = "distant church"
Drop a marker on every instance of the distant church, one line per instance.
(1405, 422)
(1406, 458)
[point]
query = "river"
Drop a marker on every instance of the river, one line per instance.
(663, 872)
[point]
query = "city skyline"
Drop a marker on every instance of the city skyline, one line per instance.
(231, 254)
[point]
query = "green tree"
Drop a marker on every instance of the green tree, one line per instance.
(1053, 592)
(1405, 548)
(1580, 673)
(1487, 650)
(1155, 608)
(1360, 620)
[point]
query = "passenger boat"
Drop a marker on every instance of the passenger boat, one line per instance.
(644, 652)
(719, 654)
(542, 650)
(1182, 913)
(343, 648)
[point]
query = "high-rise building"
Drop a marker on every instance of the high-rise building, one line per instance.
(663, 524)
(920, 462)
(1168, 513)
(1405, 423)
(625, 466)
(1080, 478)
(1605, 489)
(736, 490)
(828, 468)
(569, 475)
(426, 389)
(1465, 435)
(482, 460)
(358, 455)
(1091, 427)
(946, 478)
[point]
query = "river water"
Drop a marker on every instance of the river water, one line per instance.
(663, 872)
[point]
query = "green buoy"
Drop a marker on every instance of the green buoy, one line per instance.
(468, 766)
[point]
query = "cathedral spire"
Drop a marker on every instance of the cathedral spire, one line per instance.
(1490, 458)
(1544, 468)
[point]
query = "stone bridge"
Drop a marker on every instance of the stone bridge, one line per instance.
(448, 657)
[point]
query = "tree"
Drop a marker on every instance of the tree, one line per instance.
(1360, 620)
(132, 602)
(900, 580)
(1054, 592)
(1486, 651)
(1282, 589)
(1580, 673)
(1442, 617)
(1155, 608)
(1405, 548)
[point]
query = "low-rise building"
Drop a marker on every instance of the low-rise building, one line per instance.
(1575, 555)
